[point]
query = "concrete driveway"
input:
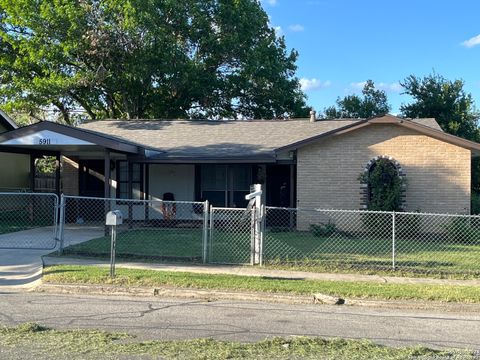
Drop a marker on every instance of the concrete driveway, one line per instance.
(21, 268)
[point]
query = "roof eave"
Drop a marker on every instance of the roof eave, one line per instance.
(335, 132)
(94, 137)
(7, 121)
(389, 119)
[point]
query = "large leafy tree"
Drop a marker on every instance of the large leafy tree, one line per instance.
(445, 100)
(145, 59)
(373, 102)
(454, 110)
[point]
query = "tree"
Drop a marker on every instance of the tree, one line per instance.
(145, 59)
(445, 100)
(373, 103)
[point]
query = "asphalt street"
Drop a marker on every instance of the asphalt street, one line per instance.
(162, 319)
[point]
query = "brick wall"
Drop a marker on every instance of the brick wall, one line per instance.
(70, 179)
(437, 173)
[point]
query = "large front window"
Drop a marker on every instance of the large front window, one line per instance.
(123, 191)
(226, 185)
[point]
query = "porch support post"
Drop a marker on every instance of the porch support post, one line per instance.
(57, 174)
(146, 193)
(107, 186)
(130, 193)
(107, 174)
(32, 172)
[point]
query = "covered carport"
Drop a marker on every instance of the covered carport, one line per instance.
(53, 139)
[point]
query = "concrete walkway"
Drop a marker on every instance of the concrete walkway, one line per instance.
(21, 268)
(261, 272)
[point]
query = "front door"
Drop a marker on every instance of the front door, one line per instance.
(92, 177)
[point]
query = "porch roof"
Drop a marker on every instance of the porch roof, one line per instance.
(48, 138)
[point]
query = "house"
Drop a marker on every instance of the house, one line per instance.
(301, 163)
(15, 166)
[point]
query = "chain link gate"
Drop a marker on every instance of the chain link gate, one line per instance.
(230, 236)
(152, 230)
(28, 221)
(236, 234)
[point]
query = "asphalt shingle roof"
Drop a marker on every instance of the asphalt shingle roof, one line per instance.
(219, 139)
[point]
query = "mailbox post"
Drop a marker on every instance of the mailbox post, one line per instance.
(113, 219)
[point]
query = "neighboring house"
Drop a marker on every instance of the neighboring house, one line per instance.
(15, 168)
(300, 163)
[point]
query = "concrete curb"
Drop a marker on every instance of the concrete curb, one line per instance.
(207, 295)
(215, 295)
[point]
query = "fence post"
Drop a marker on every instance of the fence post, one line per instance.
(205, 231)
(61, 225)
(393, 240)
(210, 235)
(262, 232)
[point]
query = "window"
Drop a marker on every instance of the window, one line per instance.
(122, 181)
(226, 185)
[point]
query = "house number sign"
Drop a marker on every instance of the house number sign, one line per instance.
(45, 141)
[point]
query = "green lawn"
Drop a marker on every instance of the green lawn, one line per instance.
(33, 341)
(292, 249)
(154, 244)
(75, 274)
(302, 250)
(19, 220)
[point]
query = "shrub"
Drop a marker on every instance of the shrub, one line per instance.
(321, 230)
(384, 186)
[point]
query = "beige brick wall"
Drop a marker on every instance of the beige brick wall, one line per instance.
(438, 173)
(70, 179)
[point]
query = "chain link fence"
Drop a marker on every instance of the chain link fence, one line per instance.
(307, 239)
(153, 230)
(231, 235)
(28, 220)
(329, 240)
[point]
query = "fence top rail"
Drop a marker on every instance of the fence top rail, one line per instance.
(133, 200)
(13, 190)
(29, 194)
(372, 212)
(213, 208)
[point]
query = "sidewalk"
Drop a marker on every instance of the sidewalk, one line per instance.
(260, 272)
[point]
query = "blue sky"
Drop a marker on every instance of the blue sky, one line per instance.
(342, 43)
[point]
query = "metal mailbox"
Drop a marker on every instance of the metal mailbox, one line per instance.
(114, 218)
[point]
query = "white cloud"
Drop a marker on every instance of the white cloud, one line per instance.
(394, 87)
(313, 84)
(296, 28)
(271, 2)
(358, 85)
(474, 41)
(278, 30)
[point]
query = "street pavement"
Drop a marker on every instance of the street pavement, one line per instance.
(167, 318)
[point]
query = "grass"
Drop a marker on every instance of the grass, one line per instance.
(75, 274)
(154, 244)
(33, 341)
(299, 250)
(19, 220)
